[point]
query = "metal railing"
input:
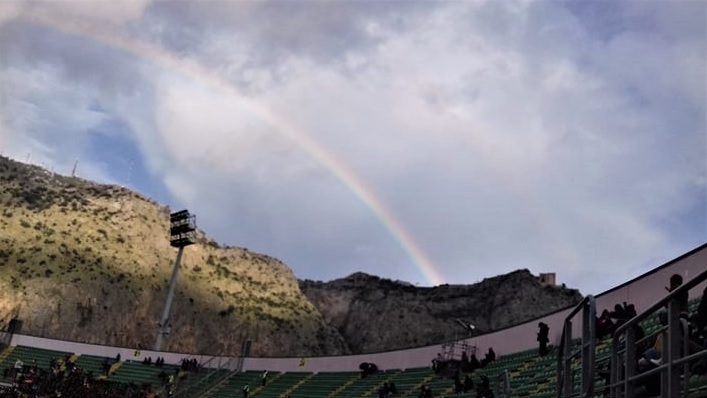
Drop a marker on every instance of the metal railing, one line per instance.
(586, 352)
(504, 385)
(215, 376)
(214, 373)
(676, 357)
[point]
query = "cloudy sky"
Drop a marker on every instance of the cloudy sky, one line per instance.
(431, 142)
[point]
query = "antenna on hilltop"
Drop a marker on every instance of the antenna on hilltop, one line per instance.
(73, 171)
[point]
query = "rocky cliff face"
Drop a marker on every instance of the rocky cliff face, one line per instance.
(91, 263)
(375, 314)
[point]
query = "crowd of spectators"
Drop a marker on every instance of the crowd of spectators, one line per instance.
(188, 365)
(159, 362)
(65, 379)
(387, 390)
(649, 350)
(453, 368)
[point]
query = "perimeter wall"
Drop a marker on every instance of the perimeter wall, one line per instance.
(642, 291)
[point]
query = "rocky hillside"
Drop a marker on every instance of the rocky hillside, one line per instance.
(374, 314)
(89, 262)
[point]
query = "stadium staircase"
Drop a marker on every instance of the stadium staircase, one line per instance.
(92, 364)
(279, 384)
(344, 386)
(233, 385)
(211, 373)
(323, 384)
(297, 384)
(408, 381)
(367, 386)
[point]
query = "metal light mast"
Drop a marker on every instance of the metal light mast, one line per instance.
(182, 233)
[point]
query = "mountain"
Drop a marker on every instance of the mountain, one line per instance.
(91, 263)
(374, 314)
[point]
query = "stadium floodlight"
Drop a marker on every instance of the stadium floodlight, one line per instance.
(182, 233)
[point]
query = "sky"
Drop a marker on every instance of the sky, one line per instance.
(428, 142)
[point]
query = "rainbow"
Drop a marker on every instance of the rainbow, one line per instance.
(211, 79)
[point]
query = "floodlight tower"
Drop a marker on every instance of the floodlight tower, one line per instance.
(182, 233)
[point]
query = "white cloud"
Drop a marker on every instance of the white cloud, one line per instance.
(98, 11)
(9, 10)
(36, 121)
(500, 135)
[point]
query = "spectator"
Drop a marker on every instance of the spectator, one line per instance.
(682, 298)
(246, 391)
(630, 310)
(367, 369)
(605, 326)
(620, 315)
(468, 384)
(458, 386)
(383, 391)
(652, 356)
(425, 391)
(490, 357)
(618, 312)
(484, 390)
(474, 363)
(699, 333)
(438, 362)
(700, 320)
(543, 338)
(265, 378)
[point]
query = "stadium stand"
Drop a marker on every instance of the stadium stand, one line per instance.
(233, 386)
(530, 375)
(29, 357)
(283, 384)
(205, 380)
(367, 386)
(324, 384)
(83, 373)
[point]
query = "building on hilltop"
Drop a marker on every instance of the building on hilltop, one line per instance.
(547, 279)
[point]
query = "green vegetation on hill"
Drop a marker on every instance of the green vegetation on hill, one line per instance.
(90, 262)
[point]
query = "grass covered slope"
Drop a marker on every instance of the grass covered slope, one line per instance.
(91, 263)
